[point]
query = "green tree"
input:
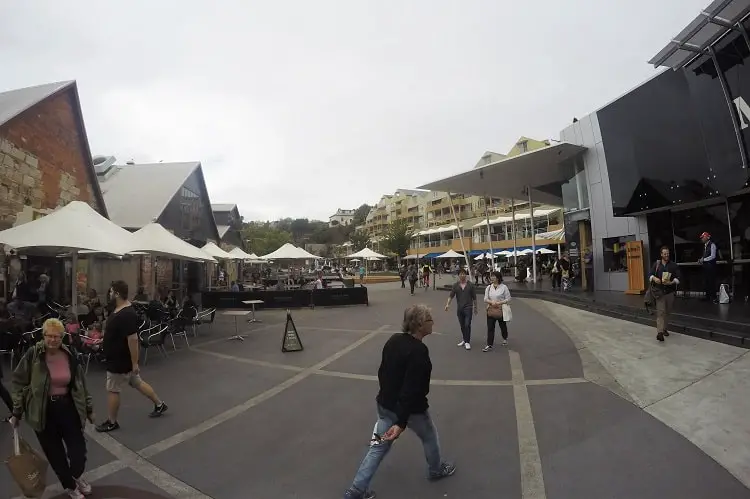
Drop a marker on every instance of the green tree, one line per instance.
(358, 239)
(262, 239)
(398, 237)
(360, 214)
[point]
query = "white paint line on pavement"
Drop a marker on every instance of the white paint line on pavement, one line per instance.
(168, 483)
(532, 478)
(555, 381)
(253, 362)
(91, 476)
(211, 423)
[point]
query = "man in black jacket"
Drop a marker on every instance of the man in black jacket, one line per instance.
(664, 279)
(404, 377)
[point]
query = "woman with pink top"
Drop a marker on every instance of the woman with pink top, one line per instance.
(50, 393)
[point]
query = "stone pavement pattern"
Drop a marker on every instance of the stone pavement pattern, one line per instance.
(542, 419)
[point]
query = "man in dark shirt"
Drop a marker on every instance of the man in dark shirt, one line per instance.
(466, 300)
(121, 348)
(404, 377)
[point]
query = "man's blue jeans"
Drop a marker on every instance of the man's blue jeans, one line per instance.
(421, 424)
(464, 319)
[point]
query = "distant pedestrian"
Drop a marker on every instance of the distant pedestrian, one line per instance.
(362, 275)
(496, 295)
(404, 377)
(121, 349)
(402, 275)
(466, 306)
(665, 276)
(413, 277)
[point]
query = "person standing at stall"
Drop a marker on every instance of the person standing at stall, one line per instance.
(49, 391)
(708, 263)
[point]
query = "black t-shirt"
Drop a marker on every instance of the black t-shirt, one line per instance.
(119, 326)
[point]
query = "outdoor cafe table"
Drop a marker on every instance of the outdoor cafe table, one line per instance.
(235, 314)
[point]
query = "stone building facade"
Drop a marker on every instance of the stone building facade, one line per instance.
(45, 161)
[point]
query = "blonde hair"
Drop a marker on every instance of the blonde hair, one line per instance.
(53, 324)
(415, 316)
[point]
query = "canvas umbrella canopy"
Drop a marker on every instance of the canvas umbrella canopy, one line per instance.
(72, 228)
(217, 252)
(366, 253)
(450, 254)
(289, 252)
(241, 255)
(545, 251)
(155, 239)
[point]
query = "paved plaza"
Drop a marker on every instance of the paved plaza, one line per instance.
(543, 418)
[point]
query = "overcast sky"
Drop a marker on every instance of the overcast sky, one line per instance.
(296, 108)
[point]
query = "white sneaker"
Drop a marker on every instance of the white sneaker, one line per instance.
(84, 487)
(74, 494)
(467, 346)
(504, 343)
(461, 343)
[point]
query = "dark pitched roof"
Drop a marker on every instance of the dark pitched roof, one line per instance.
(15, 102)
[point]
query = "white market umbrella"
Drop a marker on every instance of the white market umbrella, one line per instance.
(155, 239)
(72, 228)
(289, 252)
(217, 252)
(366, 253)
(450, 254)
(241, 255)
(482, 256)
(546, 251)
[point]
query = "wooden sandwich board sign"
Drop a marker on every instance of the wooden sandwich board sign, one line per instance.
(291, 341)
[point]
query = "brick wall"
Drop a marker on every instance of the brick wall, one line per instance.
(164, 275)
(42, 163)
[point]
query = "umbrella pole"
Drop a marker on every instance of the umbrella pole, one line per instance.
(489, 232)
(460, 236)
(74, 286)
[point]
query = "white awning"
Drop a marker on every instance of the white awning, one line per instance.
(553, 234)
(509, 177)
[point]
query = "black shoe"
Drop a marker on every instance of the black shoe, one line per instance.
(108, 426)
(446, 470)
(356, 494)
(665, 333)
(660, 336)
(158, 410)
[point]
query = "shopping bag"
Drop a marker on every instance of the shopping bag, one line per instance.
(507, 313)
(27, 468)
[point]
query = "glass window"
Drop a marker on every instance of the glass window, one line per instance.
(739, 216)
(615, 257)
(575, 191)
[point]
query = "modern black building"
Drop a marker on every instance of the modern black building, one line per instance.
(662, 163)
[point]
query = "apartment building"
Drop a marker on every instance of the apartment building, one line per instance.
(429, 215)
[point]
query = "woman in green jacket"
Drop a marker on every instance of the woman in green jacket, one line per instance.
(49, 391)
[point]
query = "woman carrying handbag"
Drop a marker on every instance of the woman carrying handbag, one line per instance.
(50, 393)
(497, 298)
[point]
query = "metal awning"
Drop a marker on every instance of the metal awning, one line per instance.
(509, 177)
(718, 19)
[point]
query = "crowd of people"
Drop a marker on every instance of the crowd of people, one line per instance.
(49, 390)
